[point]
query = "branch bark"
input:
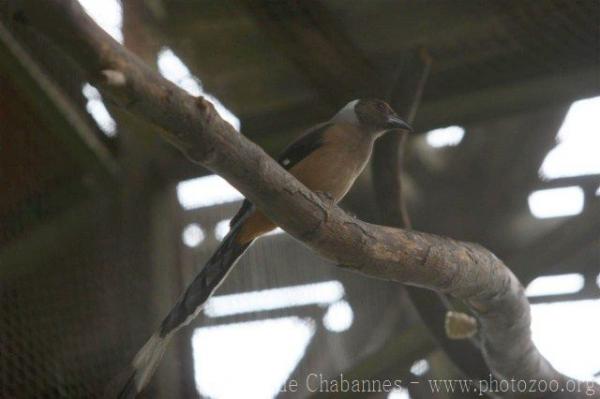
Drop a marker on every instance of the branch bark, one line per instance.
(387, 167)
(464, 270)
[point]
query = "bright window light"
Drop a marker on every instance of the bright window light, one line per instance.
(445, 137)
(555, 285)
(420, 367)
(598, 280)
(95, 106)
(106, 13)
(398, 393)
(173, 69)
(578, 143)
(192, 235)
(249, 360)
(566, 333)
(221, 229)
(323, 293)
(206, 191)
(598, 191)
(339, 317)
(555, 202)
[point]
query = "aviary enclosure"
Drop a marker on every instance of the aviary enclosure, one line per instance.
(464, 261)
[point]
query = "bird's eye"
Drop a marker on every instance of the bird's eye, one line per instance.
(381, 107)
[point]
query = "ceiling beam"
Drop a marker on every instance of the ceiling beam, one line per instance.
(567, 240)
(506, 99)
(306, 34)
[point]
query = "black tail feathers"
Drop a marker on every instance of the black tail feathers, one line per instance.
(187, 307)
(205, 283)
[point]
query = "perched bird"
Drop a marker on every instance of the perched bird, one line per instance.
(327, 158)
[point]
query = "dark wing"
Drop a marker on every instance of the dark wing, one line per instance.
(291, 155)
(303, 146)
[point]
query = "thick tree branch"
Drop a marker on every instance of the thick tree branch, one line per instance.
(464, 270)
(387, 169)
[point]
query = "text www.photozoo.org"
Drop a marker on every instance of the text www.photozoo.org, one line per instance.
(319, 383)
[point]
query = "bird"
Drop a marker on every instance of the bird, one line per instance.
(327, 158)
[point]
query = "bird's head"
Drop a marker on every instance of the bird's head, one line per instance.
(376, 116)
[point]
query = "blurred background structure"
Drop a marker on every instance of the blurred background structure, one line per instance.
(102, 224)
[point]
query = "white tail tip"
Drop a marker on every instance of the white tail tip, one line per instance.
(147, 359)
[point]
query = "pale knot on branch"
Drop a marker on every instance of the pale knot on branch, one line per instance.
(460, 325)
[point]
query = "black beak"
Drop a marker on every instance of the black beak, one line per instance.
(394, 122)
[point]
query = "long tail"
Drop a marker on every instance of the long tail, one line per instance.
(187, 307)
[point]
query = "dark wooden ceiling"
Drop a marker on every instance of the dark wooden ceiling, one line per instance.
(282, 65)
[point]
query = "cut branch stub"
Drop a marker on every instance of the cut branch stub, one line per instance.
(460, 325)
